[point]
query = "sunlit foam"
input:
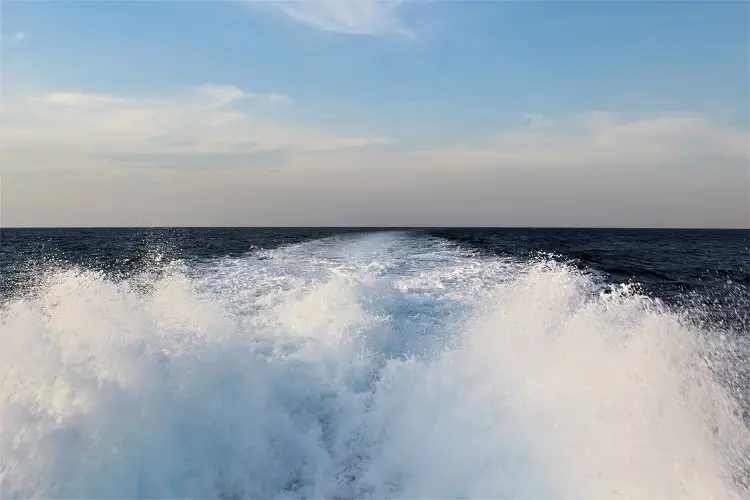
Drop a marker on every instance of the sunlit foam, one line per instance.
(381, 365)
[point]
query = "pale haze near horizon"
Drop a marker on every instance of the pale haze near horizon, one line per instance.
(375, 114)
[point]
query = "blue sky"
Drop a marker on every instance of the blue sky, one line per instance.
(469, 61)
(421, 74)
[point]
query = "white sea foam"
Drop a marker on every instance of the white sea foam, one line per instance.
(380, 365)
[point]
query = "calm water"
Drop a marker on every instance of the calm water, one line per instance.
(280, 363)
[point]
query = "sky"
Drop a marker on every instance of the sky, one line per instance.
(365, 113)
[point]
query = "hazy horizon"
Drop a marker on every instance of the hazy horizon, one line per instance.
(375, 114)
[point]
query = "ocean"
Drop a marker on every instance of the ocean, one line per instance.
(367, 363)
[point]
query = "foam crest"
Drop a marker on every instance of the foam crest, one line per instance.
(616, 392)
(380, 365)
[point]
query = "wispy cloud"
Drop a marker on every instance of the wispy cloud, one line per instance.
(17, 37)
(221, 156)
(205, 120)
(604, 141)
(271, 98)
(351, 17)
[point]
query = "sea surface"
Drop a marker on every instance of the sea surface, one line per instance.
(360, 363)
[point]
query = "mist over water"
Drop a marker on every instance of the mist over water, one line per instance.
(378, 365)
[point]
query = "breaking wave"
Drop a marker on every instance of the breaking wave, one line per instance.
(367, 366)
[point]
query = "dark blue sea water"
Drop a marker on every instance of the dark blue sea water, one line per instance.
(415, 363)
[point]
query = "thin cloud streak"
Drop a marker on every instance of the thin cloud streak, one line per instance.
(210, 119)
(17, 37)
(350, 17)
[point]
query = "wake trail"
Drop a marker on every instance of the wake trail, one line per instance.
(376, 365)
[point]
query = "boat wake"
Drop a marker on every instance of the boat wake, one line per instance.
(364, 366)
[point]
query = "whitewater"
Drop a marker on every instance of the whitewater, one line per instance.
(368, 365)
